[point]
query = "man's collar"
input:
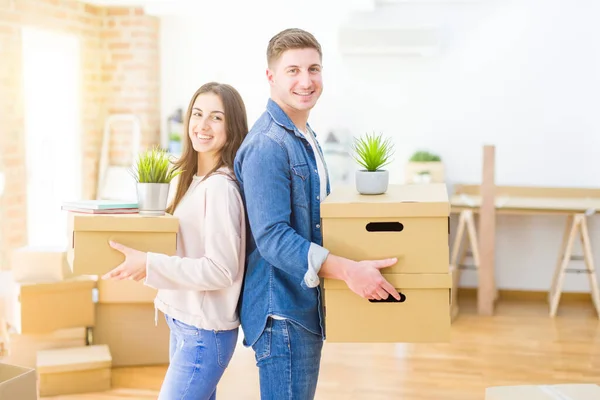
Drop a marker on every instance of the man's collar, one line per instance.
(281, 118)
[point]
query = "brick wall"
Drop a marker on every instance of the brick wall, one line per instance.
(120, 73)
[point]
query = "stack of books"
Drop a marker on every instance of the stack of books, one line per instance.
(100, 207)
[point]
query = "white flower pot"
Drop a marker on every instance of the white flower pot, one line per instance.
(152, 198)
(372, 182)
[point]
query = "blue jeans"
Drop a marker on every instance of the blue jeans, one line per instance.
(198, 359)
(288, 358)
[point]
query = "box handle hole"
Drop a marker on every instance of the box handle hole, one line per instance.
(385, 227)
(391, 299)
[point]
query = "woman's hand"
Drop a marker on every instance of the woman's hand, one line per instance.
(134, 266)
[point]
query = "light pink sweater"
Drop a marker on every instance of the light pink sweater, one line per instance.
(200, 286)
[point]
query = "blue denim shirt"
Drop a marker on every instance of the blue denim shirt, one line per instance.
(277, 172)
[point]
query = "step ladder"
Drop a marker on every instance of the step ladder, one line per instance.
(576, 224)
(116, 182)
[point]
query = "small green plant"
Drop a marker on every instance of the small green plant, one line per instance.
(372, 151)
(154, 166)
(424, 156)
(174, 137)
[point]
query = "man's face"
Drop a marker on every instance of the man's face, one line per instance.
(295, 79)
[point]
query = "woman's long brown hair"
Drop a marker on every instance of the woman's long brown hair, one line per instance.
(236, 128)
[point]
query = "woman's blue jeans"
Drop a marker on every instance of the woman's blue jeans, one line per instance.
(198, 359)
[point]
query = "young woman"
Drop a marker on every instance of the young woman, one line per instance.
(199, 288)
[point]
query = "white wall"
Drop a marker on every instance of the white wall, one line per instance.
(523, 75)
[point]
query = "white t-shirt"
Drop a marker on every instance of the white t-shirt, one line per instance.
(309, 135)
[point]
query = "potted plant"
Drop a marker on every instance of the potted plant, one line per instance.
(372, 152)
(153, 174)
(175, 143)
(424, 167)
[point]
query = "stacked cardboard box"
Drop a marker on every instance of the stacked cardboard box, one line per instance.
(126, 323)
(411, 223)
(17, 382)
(56, 305)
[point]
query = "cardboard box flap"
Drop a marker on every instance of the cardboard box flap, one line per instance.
(544, 392)
(73, 359)
(17, 382)
(403, 281)
(83, 282)
(399, 201)
(124, 223)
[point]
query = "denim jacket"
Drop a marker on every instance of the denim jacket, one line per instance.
(277, 172)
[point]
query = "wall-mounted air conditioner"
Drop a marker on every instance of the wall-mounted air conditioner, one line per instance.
(398, 41)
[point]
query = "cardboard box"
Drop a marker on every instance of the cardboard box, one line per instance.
(17, 383)
(576, 391)
(130, 332)
(90, 253)
(422, 316)
(46, 307)
(40, 264)
(125, 291)
(410, 222)
(22, 349)
(74, 370)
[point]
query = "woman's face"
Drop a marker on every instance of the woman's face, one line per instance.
(207, 124)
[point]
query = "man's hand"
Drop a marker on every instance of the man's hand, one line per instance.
(134, 266)
(363, 277)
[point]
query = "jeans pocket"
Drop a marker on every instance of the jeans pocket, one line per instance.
(226, 342)
(262, 347)
(184, 329)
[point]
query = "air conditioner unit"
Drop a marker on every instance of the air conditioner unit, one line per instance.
(370, 40)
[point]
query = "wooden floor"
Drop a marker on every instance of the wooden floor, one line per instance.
(519, 345)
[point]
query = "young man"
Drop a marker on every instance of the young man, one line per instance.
(283, 178)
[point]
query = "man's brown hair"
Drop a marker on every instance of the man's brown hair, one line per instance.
(292, 38)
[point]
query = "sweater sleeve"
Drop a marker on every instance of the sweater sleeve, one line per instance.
(219, 266)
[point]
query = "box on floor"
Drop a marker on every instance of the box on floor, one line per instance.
(89, 235)
(544, 392)
(17, 383)
(410, 222)
(74, 370)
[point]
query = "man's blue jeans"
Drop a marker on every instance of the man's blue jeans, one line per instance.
(198, 359)
(289, 358)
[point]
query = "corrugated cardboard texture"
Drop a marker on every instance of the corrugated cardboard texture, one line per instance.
(125, 291)
(429, 200)
(46, 307)
(65, 383)
(90, 252)
(544, 392)
(130, 333)
(17, 383)
(40, 264)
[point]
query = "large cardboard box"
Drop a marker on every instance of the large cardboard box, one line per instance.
(576, 391)
(131, 334)
(17, 383)
(89, 234)
(40, 264)
(74, 370)
(46, 307)
(23, 349)
(410, 222)
(124, 291)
